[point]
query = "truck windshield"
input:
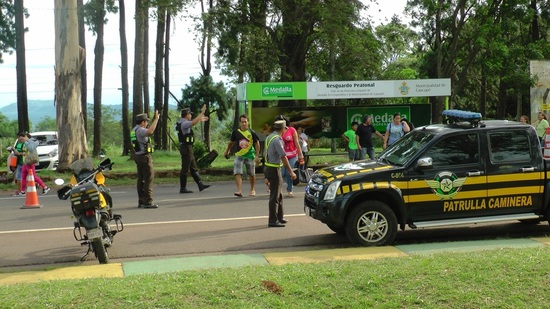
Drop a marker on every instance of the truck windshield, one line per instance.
(405, 149)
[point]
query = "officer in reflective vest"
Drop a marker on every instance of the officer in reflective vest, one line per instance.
(186, 139)
(142, 156)
(275, 159)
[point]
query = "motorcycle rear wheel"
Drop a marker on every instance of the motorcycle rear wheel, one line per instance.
(100, 251)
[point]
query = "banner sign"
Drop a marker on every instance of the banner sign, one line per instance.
(344, 90)
(332, 121)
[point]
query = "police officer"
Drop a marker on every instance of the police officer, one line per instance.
(275, 159)
(142, 156)
(186, 139)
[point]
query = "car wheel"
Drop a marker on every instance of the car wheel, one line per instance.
(371, 223)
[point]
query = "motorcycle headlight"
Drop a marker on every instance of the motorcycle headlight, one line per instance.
(331, 190)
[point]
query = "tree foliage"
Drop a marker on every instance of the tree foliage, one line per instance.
(7, 28)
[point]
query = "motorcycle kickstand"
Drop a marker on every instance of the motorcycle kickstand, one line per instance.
(87, 252)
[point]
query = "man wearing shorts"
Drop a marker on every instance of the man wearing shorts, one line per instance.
(247, 153)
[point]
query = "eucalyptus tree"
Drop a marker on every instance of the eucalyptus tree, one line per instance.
(139, 55)
(165, 10)
(126, 149)
(68, 59)
(22, 106)
(94, 15)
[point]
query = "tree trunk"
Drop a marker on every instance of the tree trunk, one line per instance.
(72, 141)
(159, 63)
(83, 72)
(99, 51)
(206, 63)
(145, 60)
(164, 116)
(138, 59)
(22, 104)
(124, 79)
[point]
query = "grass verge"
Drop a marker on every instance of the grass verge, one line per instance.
(504, 278)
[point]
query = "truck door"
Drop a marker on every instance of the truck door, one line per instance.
(514, 172)
(455, 186)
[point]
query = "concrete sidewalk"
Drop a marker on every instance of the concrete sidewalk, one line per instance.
(272, 258)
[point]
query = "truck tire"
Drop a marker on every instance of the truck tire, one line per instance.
(100, 251)
(371, 223)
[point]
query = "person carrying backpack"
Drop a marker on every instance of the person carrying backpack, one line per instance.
(395, 130)
(29, 161)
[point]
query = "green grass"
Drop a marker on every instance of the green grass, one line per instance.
(504, 278)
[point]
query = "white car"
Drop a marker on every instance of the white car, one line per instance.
(47, 149)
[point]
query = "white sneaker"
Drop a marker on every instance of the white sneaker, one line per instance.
(45, 190)
(20, 193)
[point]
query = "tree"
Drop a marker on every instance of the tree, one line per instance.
(126, 149)
(83, 72)
(203, 90)
(139, 50)
(22, 106)
(94, 12)
(7, 28)
(72, 143)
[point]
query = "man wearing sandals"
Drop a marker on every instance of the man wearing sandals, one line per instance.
(247, 154)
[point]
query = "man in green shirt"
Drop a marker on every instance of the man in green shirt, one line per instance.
(349, 136)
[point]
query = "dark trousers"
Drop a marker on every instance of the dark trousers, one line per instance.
(188, 165)
(273, 174)
(144, 164)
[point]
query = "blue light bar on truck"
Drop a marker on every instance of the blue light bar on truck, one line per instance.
(461, 115)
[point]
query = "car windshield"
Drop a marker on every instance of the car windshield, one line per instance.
(45, 140)
(404, 149)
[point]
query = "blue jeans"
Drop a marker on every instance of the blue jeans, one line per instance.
(286, 174)
(365, 151)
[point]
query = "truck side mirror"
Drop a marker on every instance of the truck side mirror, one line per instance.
(424, 164)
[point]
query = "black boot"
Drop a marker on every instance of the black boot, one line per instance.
(183, 184)
(198, 180)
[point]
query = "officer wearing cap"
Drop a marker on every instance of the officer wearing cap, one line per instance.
(142, 156)
(275, 159)
(186, 139)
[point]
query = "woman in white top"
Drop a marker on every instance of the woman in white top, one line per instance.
(394, 130)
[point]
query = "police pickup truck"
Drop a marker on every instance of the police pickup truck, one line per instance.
(463, 171)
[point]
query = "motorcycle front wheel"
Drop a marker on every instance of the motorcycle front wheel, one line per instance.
(100, 251)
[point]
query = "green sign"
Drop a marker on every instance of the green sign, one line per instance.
(381, 116)
(276, 91)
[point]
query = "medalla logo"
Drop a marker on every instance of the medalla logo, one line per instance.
(277, 91)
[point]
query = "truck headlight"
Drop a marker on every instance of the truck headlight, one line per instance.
(331, 190)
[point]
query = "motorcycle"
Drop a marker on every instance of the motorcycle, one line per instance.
(91, 205)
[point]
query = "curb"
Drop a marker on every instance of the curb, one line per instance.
(120, 270)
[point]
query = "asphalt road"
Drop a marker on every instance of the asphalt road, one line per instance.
(211, 222)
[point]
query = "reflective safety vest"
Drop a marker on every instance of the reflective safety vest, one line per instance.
(267, 153)
(137, 145)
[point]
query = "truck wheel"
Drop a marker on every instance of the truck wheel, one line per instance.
(371, 223)
(338, 230)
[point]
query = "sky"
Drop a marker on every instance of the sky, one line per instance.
(184, 55)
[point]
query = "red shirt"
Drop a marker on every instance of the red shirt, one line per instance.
(288, 140)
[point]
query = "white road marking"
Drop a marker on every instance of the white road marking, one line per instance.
(149, 223)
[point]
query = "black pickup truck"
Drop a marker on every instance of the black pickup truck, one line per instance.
(463, 171)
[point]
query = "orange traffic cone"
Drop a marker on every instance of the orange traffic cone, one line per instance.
(31, 198)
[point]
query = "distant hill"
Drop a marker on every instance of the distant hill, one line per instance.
(39, 109)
